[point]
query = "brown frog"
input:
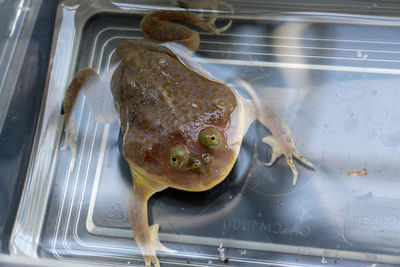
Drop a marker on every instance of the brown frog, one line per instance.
(181, 127)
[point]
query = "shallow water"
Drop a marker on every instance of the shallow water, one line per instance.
(334, 81)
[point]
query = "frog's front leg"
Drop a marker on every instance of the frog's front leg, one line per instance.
(98, 98)
(280, 140)
(146, 236)
(82, 80)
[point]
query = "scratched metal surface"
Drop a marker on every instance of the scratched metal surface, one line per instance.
(334, 80)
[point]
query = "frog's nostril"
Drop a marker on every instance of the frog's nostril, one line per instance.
(196, 164)
(207, 158)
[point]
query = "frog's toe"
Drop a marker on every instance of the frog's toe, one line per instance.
(289, 158)
(290, 162)
(163, 248)
(276, 151)
(209, 24)
(289, 151)
(149, 250)
(158, 246)
(224, 28)
(151, 259)
(298, 156)
(70, 141)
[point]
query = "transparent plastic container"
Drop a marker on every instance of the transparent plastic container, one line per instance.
(329, 69)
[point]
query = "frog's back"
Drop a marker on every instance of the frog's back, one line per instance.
(163, 102)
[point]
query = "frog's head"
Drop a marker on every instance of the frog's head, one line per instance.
(193, 157)
(200, 160)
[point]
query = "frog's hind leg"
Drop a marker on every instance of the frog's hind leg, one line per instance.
(160, 26)
(281, 140)
(98, 98)
(207, 7)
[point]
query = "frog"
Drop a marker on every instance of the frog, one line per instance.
(181, 127)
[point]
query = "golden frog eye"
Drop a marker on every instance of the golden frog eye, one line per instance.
(210, 138)
(178, 156)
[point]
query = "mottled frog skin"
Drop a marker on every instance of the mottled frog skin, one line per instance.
(182, 127)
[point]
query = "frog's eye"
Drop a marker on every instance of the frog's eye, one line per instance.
(210, 138)
(178, 156)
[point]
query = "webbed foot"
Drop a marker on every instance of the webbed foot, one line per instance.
(280, 139)
(208, 21)
(157, 244)
(288, 151)
(149, 250)
(151, 259)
